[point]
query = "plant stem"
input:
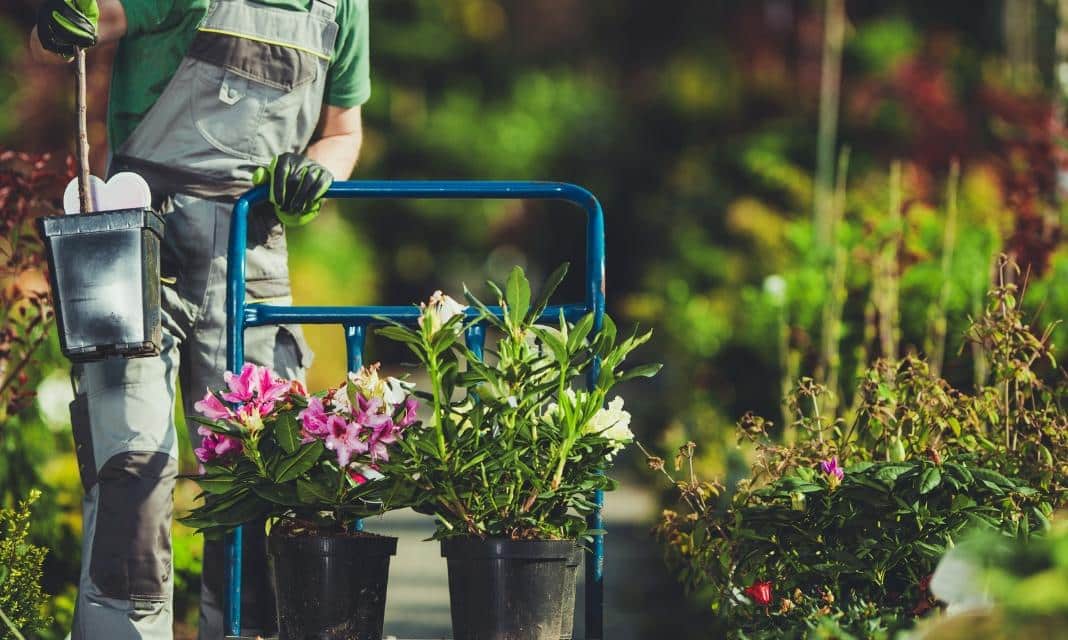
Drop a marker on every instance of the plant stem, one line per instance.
(85, 196)
(11, 626)
(435, 384)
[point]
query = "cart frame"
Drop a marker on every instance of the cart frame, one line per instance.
(355, 321)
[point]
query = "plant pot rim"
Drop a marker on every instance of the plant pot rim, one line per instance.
(368, 544)
(461, 547)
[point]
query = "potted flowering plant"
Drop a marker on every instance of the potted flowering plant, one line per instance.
(309, 465)
(512, 450)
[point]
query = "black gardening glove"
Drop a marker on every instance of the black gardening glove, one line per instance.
(296, 185)
(65, 24)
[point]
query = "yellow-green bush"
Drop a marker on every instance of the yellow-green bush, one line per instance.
(21, 597)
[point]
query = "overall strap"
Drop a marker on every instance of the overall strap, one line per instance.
(313, 32)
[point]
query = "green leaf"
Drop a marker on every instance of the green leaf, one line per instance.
(216, 426)
(554, 340)
(889, 473)
(517, 295)
(311, 492)
(249, 508)
(287, 432)
(289, 467)
(216, 484)
(579, 332)
(484, 312)
(859, 467)
(398, 334)
(641, 371)
(991, 476)
(930, 480)
(283, 494)
(547, 289)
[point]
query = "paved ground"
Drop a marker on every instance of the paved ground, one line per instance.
(642, 601)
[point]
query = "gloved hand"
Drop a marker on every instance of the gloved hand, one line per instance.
(296, 185)
(65, 24)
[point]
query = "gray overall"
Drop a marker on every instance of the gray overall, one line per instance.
(251, 86)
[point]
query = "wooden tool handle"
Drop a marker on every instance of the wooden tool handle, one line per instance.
(85, 197)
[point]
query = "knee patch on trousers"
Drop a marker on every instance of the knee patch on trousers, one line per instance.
(131, 554)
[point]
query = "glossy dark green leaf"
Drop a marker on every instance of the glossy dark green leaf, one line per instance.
(287, 432)
(291, 466)
(929, 480)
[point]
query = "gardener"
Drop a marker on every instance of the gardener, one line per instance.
(207, 96)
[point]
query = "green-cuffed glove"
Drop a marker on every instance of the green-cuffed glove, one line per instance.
(65, 24)
(296, 185)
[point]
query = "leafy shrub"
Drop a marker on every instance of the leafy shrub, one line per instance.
(514, 446)
(807, 546)
(21, 597)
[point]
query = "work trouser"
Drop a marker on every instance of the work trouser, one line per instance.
(124, 430)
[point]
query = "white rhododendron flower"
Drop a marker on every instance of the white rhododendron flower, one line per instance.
(396, 391)
(439, 310)
(612, 422)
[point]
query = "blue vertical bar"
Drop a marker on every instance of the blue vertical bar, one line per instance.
(355, 335)
(354, 341)
(595, 292)
(476, 339)
(235, 356)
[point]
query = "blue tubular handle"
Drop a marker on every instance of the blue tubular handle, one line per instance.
(355, 320)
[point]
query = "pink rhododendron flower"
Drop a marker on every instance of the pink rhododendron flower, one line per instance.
(243, 385)
(212, 408)
(271, 390)
(343, 438)
(411, 405)
(215, 447)
(363, 417)
(313, 420)
(378, 450)
(831, 468)
(833, 472)
(256, 389)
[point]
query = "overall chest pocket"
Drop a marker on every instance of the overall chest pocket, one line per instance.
(248, 94)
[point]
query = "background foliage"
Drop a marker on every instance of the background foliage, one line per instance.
(697, 124)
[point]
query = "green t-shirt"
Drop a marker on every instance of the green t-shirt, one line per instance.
(158, 33)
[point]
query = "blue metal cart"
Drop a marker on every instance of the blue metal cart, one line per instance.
(356, 320)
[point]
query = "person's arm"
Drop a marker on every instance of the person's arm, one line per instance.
(338, 143)
(110, 28)
(297, 182)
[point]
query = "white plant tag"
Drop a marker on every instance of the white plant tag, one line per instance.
(125, 190)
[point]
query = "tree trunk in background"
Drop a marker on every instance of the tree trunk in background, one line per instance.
(830, 89)
(1019, 28)
(1060, 89)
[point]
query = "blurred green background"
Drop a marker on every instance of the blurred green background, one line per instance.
(714, 133)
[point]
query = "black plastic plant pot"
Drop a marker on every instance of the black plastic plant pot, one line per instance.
(104, 272)
(509, 589)
(567, 621)
(330, 587)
